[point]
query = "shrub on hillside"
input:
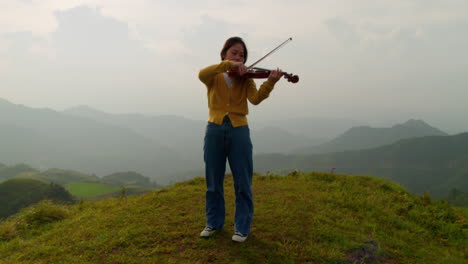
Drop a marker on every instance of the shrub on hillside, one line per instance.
(32, 219)
(20, 193)
(58, 193)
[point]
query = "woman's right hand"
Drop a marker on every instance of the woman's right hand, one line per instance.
(240, 67)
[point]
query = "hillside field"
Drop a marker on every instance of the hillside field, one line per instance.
(89, 189)
(299, 218)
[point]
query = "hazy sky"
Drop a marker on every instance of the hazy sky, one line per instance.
(370, 60)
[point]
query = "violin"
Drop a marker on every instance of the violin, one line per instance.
(259, 73)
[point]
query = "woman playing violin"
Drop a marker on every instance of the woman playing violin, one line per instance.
(228, 137)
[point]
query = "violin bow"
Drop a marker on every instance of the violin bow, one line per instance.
(275, 49)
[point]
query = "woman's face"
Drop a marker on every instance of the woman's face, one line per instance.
(235, 53)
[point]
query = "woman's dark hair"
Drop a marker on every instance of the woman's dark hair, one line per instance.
(231, 42)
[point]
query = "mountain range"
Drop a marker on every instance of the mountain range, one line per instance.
(44, 139)
(365, 137)
(434, 164)
(185, 136)
(169, 148)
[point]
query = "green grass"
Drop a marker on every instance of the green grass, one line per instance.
(89, 189)
(299, 218)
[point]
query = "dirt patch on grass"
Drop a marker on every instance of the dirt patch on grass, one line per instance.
(368, 253)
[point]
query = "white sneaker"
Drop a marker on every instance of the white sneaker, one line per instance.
(208, 231)
(239, 237)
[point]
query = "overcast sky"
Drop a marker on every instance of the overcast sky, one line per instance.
(371, 60)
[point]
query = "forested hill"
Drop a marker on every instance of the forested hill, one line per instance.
(436, 164)
(19, 193)
(22, 186)
(299, 218)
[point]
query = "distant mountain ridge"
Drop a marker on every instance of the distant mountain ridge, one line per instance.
(436, 164)
(274, 139)
(181, 135)
(164, 148)
(44, 138)
(316, 128)
(365, 137)
(186, 136)
(8, 172)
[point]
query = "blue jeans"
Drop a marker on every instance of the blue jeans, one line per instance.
(221, 142)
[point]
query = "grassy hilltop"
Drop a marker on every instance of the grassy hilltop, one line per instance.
(299, 218)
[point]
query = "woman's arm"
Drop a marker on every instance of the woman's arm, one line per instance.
(257, 96)
(207, 74)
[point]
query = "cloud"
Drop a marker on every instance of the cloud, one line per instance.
(22, 51)
(84, 35)
(4, 64)
(344, 32)
(145, 55)
(94, 60)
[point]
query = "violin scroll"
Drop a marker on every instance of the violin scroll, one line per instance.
(291, 78)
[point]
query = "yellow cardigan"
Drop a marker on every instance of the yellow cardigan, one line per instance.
(223, 100)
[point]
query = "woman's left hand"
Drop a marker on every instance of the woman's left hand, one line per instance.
(275, 75)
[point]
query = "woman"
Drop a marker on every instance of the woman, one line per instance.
(228, 136)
